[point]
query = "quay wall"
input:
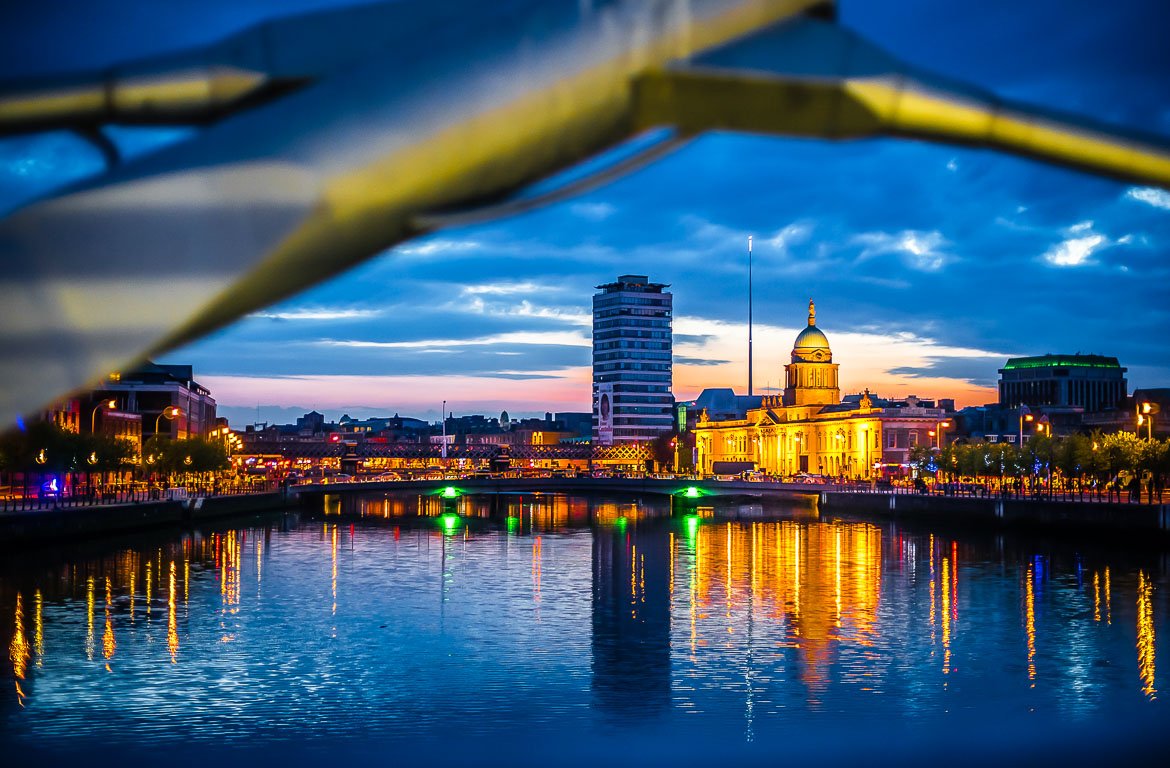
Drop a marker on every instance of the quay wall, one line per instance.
(66, 523)
(1040, 513)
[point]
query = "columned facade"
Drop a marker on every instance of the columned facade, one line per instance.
(809, 430)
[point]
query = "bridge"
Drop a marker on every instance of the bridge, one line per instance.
(652, 486)
(433, 453)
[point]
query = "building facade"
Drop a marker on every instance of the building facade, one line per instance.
(809, 429)
(154, 391)
(632, 355)
(1094, 383)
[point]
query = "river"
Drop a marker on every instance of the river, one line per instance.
(550, 629)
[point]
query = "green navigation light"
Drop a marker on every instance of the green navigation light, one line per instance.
(450, 492)
(691, 492)
(513, 524)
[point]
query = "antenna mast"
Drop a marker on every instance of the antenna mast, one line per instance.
(749, 315)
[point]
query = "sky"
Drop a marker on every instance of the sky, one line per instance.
(930, 265)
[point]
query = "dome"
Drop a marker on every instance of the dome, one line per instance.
(811, 345)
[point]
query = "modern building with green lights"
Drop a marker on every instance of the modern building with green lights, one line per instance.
(1094, 383)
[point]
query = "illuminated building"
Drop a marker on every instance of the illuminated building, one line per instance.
(1092, 382)
(632, 399)
(153, 390)
(809, 428)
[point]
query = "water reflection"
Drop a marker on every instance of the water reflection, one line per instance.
(610, 611)
(631, 617)
(18, 650)
(1145, 634)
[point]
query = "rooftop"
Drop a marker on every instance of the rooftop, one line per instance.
(1062, 361)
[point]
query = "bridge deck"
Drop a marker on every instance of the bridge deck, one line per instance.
(652, 486)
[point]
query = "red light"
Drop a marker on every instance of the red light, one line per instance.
(335, 438)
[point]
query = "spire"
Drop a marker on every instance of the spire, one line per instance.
(812, 313)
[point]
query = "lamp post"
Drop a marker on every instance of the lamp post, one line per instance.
(111, 404)
(940, 427)
(1145, 415)
(170, 412)
(1025, 415)
(839, 439)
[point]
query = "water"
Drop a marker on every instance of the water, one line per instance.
(572, 630)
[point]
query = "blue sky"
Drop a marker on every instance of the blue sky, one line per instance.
(930, 264)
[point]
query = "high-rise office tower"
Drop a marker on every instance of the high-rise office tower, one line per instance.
(632, 399)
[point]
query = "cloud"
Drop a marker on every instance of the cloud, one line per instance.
(438, 246)
(1159, 198)
(1076, 251)
(919, 249)
(318, 314)
(700, 361)
(593, 211)
(502, 289)
(563, 338)
(793, 234)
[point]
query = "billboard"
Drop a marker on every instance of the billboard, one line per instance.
(605, 414)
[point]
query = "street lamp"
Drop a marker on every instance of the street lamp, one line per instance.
(1145, 415)
(941, 427)
(111, 404)
(170, 412)
(1025, 415)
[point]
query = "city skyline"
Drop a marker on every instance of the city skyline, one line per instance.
(930, 265)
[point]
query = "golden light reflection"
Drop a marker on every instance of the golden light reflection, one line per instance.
(109, 645)
(837, 578)
(670, 574)
(932, 596)
(1030, 623)
(537, 554)
(1145, 634)
(946, 615)
(1096, 596)
(89, 618)
(1108, 598)
(333, 585)
(39, 629)
(820, 581)
(954, 582)
(132, 595)
(172, 621)
(149, 585)
(18, 650)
